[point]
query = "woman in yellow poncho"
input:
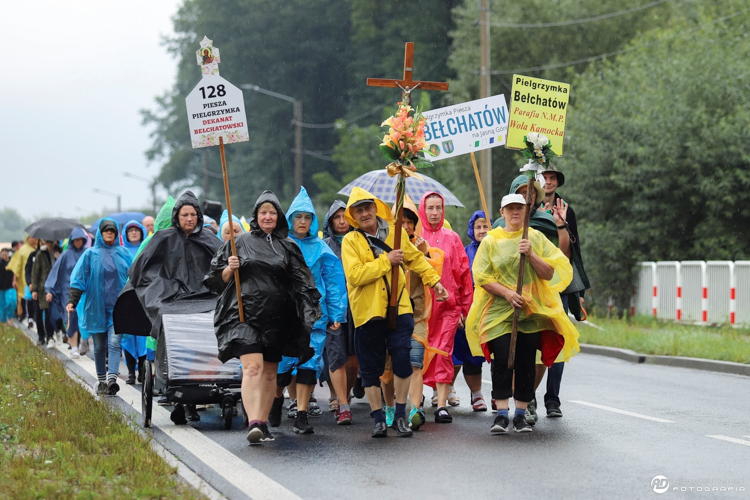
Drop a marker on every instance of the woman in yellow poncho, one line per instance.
(542, 323)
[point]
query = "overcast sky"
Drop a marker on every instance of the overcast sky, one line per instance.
(76, 74)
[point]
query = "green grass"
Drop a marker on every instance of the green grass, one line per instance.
(58, 441)
(650, 336)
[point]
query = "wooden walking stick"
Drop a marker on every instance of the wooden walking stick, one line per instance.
(479, 184)
(407, 85)
(231, 221)
(521, 269)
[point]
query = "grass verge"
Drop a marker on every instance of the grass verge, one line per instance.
(58, 441)
(650, 336)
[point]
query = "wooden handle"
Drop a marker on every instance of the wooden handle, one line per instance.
(231, 232)
(479, 184)
(521, 268)
(393, 304)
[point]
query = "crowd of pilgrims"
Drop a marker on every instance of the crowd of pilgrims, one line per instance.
(315, 302)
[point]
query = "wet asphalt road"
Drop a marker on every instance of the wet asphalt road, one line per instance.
(589, 453)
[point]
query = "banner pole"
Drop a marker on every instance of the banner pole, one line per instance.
(231, 220)
(481, 190)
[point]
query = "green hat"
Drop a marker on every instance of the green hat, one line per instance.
(560, 175)
(523, 180)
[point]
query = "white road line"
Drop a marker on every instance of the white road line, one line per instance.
(487, 381)
(623, 412)
(731, 439)
(224, 463)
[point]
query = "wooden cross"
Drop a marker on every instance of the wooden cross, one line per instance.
(407, 85)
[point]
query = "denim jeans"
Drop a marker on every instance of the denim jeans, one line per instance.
(554, 374)
(113, 343)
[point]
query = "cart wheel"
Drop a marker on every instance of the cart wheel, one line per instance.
(147, 394)
(226, 412)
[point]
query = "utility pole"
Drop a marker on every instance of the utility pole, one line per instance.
(485, 89)
(297, 145)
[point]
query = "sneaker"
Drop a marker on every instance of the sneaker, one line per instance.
(344, 418)
(301, 425)
(274, 416)
(313, 409)
(255, 433)
(75, 355)
(553, 410)
(500, 425)
(453, 398)
(390, 414)
(50, 343)
(164, 401)
(112, 387)
(434, 398)
(101, 388)
(531, 416)
(84, 347)
(520, 424)
(191, 413)
(267, 436)
(442, 416)
(131, 379)
(494, 406)
(416, 418)
(58, 338)
(292, 410)
(478, 404)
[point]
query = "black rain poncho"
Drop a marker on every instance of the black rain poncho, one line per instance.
(281, 303)
(167, 276)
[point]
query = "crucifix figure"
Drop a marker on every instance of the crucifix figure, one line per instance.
(407, 85)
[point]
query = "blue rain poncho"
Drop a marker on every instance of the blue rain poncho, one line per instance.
(225, 219)
(471, 248)
(100, 273)
(58, 281)
(133, 249)
(135, 346)
(328, 274)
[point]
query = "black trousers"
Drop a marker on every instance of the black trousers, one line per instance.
(44, 328)
(524, 367)
(130, 361)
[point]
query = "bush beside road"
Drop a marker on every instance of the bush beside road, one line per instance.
(59, 441)
(650, 336)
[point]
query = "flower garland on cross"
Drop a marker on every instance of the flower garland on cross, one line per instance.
(404, 145)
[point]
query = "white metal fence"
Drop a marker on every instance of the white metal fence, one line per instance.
(695, 291)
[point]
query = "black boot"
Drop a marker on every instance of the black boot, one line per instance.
(301, 425)
(191, 413)
(274, 416)
(178, 415)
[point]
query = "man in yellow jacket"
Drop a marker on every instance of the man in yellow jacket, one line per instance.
(368, 258)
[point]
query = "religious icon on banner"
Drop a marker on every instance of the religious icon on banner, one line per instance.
(208, 57)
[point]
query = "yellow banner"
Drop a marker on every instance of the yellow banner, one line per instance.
(537, 106)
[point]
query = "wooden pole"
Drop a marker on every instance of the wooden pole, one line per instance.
(393, 304)
(521, 268)
(231, 232)
(479, 184)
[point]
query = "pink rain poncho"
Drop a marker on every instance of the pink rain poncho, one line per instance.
(456, 278)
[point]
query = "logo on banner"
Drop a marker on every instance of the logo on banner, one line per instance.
(434, 149)
(448, 146)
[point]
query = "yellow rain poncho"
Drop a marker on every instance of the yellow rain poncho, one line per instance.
(497, 260)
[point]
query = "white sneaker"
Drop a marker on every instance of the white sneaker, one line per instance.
(58, 338)
(75, 355)
(50, 344)
(434, 398)
(84, 347)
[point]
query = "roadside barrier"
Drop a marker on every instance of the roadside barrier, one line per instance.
(701, 292)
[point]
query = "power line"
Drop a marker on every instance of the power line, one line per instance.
(616, 52)
(345, 122)
(578, 21)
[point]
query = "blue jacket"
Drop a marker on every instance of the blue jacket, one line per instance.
(133, 249)
(58, 281)
(326, 268)
(100, 273)
(471, 248)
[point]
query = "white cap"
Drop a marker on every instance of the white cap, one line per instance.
(512, 198)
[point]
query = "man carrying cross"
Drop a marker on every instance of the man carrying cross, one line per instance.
(369, 258)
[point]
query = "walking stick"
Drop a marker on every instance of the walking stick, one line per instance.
(231, 238)
(521, 268)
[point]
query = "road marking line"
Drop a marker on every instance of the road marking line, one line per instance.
(731, 439)
(487, 381)
(623, 412)
(224, 463)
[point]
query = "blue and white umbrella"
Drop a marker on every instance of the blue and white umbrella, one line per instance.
(383, 187)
